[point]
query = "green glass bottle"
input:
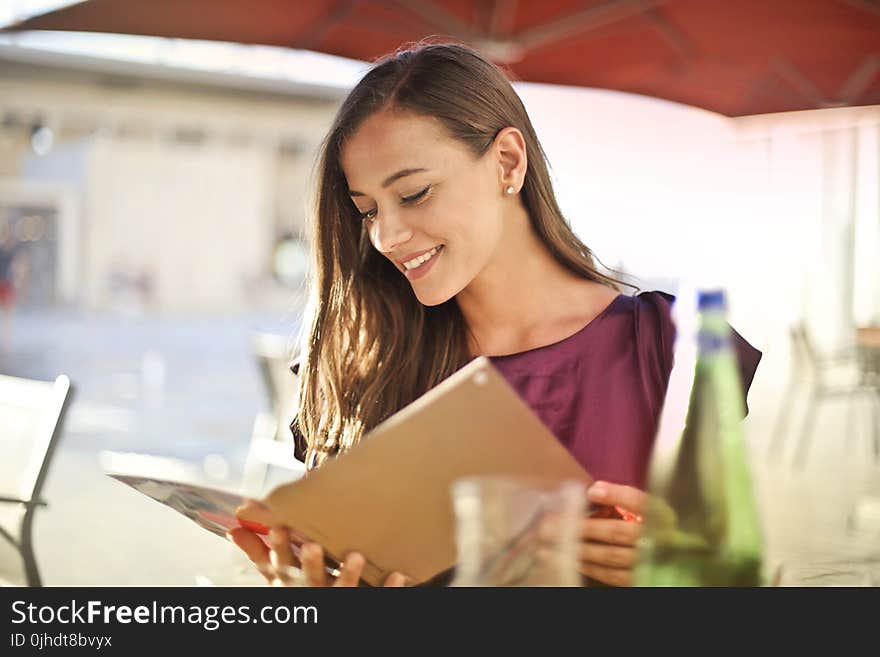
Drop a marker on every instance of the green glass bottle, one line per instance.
(702, 526)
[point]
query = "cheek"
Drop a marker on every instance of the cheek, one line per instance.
(479, 223)
(464, 216)
(473, 236)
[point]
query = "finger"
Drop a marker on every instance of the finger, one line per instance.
(249, 543)
(350, 574)
(255, 511)
(612, 556)
(631, 499)
(253, 546)
(281, 554)
(396, 580)
(613, 532)
(612, 576)
(312, 557)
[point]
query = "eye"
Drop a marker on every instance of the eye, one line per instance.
(369, 215)
(416, 197)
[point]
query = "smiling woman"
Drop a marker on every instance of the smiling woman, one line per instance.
(433, 188)
(437, 238)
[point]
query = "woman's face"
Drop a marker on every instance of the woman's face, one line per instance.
(430, 207)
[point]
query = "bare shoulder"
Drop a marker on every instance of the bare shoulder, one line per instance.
(597, 298)
(579, 305)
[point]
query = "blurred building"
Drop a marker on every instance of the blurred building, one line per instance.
(185, 188)
(148, 187)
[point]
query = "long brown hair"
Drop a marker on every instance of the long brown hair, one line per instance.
(369, 347)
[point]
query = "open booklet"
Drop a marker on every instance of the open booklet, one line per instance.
(210, 508)
(389, 497)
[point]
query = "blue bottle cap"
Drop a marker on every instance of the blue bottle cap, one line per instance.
(712, 299)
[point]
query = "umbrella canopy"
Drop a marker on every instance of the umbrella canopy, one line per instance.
(735, 58)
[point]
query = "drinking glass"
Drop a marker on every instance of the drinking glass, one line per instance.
(517, 532)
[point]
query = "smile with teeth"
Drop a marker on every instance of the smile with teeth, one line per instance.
(422, 259)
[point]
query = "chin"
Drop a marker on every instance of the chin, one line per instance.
(432, 298)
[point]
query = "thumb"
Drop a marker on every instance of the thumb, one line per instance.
(255, 512)
(396, 580)
(629, 498)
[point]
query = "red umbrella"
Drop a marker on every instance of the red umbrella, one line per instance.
(736, 58)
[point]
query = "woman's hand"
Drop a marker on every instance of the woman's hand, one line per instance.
(280, 567)
(608, 542)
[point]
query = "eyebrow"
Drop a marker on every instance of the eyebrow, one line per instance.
(390, 179)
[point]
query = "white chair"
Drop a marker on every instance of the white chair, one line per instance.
(31, 418)
(823, 378)
(271, 440)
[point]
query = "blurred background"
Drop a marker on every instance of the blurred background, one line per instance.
(153, 193)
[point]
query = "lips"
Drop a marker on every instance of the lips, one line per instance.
(422, 269)
(415, 254)
(419, 258)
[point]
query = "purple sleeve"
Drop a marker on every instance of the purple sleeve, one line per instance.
(748, 358)
(657, 341)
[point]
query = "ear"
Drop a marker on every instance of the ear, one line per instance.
(510, 151)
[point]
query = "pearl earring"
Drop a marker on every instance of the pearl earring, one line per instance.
(509, 189)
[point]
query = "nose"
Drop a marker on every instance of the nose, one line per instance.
(389, 231)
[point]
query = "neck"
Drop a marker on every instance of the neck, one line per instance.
(521, 292)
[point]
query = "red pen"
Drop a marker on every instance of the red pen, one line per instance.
(255, 527)
(615, 512)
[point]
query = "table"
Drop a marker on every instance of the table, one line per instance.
(821, 523)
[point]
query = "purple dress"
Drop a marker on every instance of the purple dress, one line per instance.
(601, 390)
